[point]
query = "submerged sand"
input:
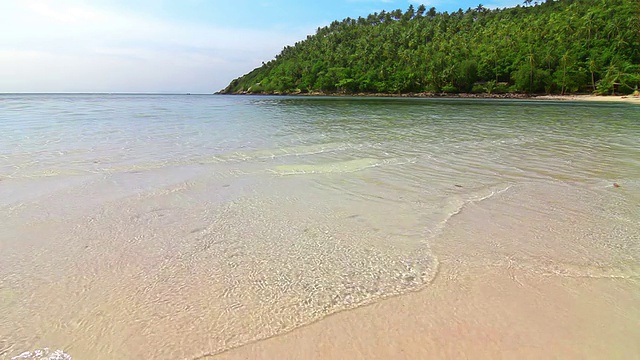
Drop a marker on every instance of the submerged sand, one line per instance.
(479, 313)
(391, 231)
(486, 301)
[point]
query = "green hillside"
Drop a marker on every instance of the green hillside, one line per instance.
(566, 46)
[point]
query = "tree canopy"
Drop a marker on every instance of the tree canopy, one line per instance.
(564, 46)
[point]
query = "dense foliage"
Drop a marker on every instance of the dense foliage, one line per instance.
(564, 46)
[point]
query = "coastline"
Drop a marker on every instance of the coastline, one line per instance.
(170, 254)
(480, 313)
(496, 295)
(630, 99)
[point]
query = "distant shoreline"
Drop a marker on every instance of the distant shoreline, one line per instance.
(633, 99)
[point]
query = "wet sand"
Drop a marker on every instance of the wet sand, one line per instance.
(484, 313)
(484, 304)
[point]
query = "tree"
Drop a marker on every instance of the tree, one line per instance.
(561, 46)
(467, 74)
(409, 14)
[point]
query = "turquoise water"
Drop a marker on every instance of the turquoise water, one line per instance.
(194, 224)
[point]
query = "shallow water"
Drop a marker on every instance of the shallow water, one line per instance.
(140, 226)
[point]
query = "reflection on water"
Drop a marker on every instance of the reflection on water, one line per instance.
(193, 224)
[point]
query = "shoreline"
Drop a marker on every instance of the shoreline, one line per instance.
(490, 299)
(630, 99)
(488, 312)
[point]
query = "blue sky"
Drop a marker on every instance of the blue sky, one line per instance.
(195, 46)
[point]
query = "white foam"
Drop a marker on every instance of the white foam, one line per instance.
(43, 354)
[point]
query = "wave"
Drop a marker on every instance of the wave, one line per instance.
(347, 166)
(300, 150)
(573, 270)
(103, 166)
(457, 207)
(43, 354)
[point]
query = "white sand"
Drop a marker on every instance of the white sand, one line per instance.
(487, 301)
(608, 98)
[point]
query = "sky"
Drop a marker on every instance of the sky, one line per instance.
(162, 46)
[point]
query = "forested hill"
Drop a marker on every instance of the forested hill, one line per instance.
(564, 46)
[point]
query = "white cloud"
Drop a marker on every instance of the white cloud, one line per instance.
(70, 15)
(69, 46)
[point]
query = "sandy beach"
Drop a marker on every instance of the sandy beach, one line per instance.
(492, 314)
(484, 303)
(631, 99)
(318, 228)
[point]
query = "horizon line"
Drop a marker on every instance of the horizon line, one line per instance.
(102, 93)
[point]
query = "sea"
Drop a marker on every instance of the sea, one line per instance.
(138, 226)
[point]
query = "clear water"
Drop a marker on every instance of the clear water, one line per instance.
(143, 226)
